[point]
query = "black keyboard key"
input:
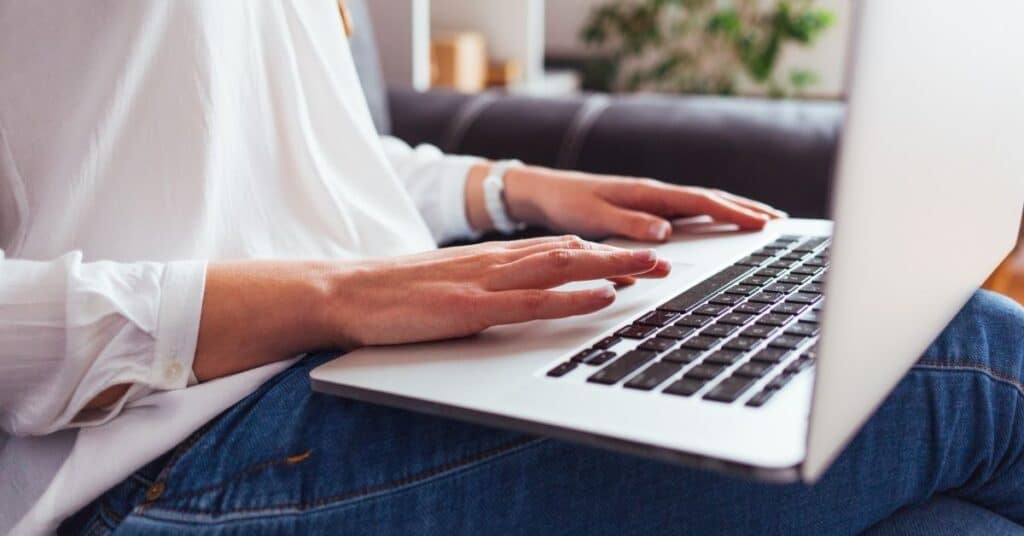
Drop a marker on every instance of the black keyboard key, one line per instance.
(653, 376)
(657, 344)
(794, 278)
(793, 257)
(798, 366)
(782, 265)
(759, 331)
(770, 355)
(695, 321)
(743, 344)
(779, 381)
(769, 272)
(736, 319)
(766, 252)
(586, 355)
(601, 358)
(811, 244)
(816, 261)
(812, 317)
(753, 369)
(719, 330)
(682, 356)
(562, 370)
(804, 298)
(751, 261)
(689, 299)
(755, 281)
(659, 318)
(788, 238)
(676, 332)
(806, 270)
(751, 308)
(727, 299)
(774, 319)
(704, 371)
(788, 342)
(622, 367)
(724, 357)
(741, 290)
(636, 331)
(783, 288)
(766, 297)
(788, 309)
(761, 398)
(701, 342)
(684, 387)
(711, 309)
(813, 288)
(607, 342)
(730, 389)
(803, 329)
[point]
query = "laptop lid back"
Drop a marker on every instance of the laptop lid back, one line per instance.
(928, 196)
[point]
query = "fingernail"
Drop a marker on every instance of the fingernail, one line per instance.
(659, 230)
(644, 255)
(605, 292)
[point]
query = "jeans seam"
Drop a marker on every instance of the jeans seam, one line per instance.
(974, 367)
(254, 468)
(368, 491)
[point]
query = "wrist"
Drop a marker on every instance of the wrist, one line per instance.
(522, 185)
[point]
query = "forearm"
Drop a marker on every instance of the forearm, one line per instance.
(255, 313)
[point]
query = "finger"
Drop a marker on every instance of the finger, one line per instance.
(757, 206)
(559, 266)
(532, 242)
(722, 209)
(633, 224)
(514, 306)
(623, 281)
(567, 242)
(660, 270)
(670, 200)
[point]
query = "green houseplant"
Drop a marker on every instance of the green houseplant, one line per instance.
(699, 46)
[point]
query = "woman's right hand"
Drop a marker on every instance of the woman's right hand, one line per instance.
(460, 291)
(258, 312)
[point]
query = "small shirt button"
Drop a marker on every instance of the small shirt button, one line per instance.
(155, 491)
(173, 371)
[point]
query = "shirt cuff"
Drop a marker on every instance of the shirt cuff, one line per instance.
(454, 171)
(181, 290)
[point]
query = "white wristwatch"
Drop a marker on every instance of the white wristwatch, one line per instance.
(494, 197)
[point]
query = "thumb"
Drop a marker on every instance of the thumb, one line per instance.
(634, 224)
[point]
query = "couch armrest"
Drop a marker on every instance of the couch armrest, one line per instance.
(781, 152)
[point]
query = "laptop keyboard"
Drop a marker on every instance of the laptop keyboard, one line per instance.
(753, 323)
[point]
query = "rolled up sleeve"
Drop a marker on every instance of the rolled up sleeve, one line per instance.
(437, 182)
(70, 330)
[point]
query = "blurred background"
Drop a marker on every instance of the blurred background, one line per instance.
(778, 48)
(757, 86)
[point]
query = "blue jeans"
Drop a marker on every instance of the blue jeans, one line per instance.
(947, 447)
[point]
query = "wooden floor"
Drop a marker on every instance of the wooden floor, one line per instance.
(1009, 277)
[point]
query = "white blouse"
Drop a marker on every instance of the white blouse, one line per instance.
(139, 140)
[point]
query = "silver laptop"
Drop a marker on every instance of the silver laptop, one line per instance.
(763, 353)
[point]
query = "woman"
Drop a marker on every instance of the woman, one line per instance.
(192, 193)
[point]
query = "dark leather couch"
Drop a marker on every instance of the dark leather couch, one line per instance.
(781, 152)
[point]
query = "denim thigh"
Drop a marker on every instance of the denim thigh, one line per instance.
(286, 459)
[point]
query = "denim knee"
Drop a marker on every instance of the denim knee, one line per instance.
(988, 332)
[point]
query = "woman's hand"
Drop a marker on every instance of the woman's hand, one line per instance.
(456, 292)
(597, 206)
(258, 312)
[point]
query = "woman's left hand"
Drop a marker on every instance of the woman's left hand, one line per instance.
(641, 209)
